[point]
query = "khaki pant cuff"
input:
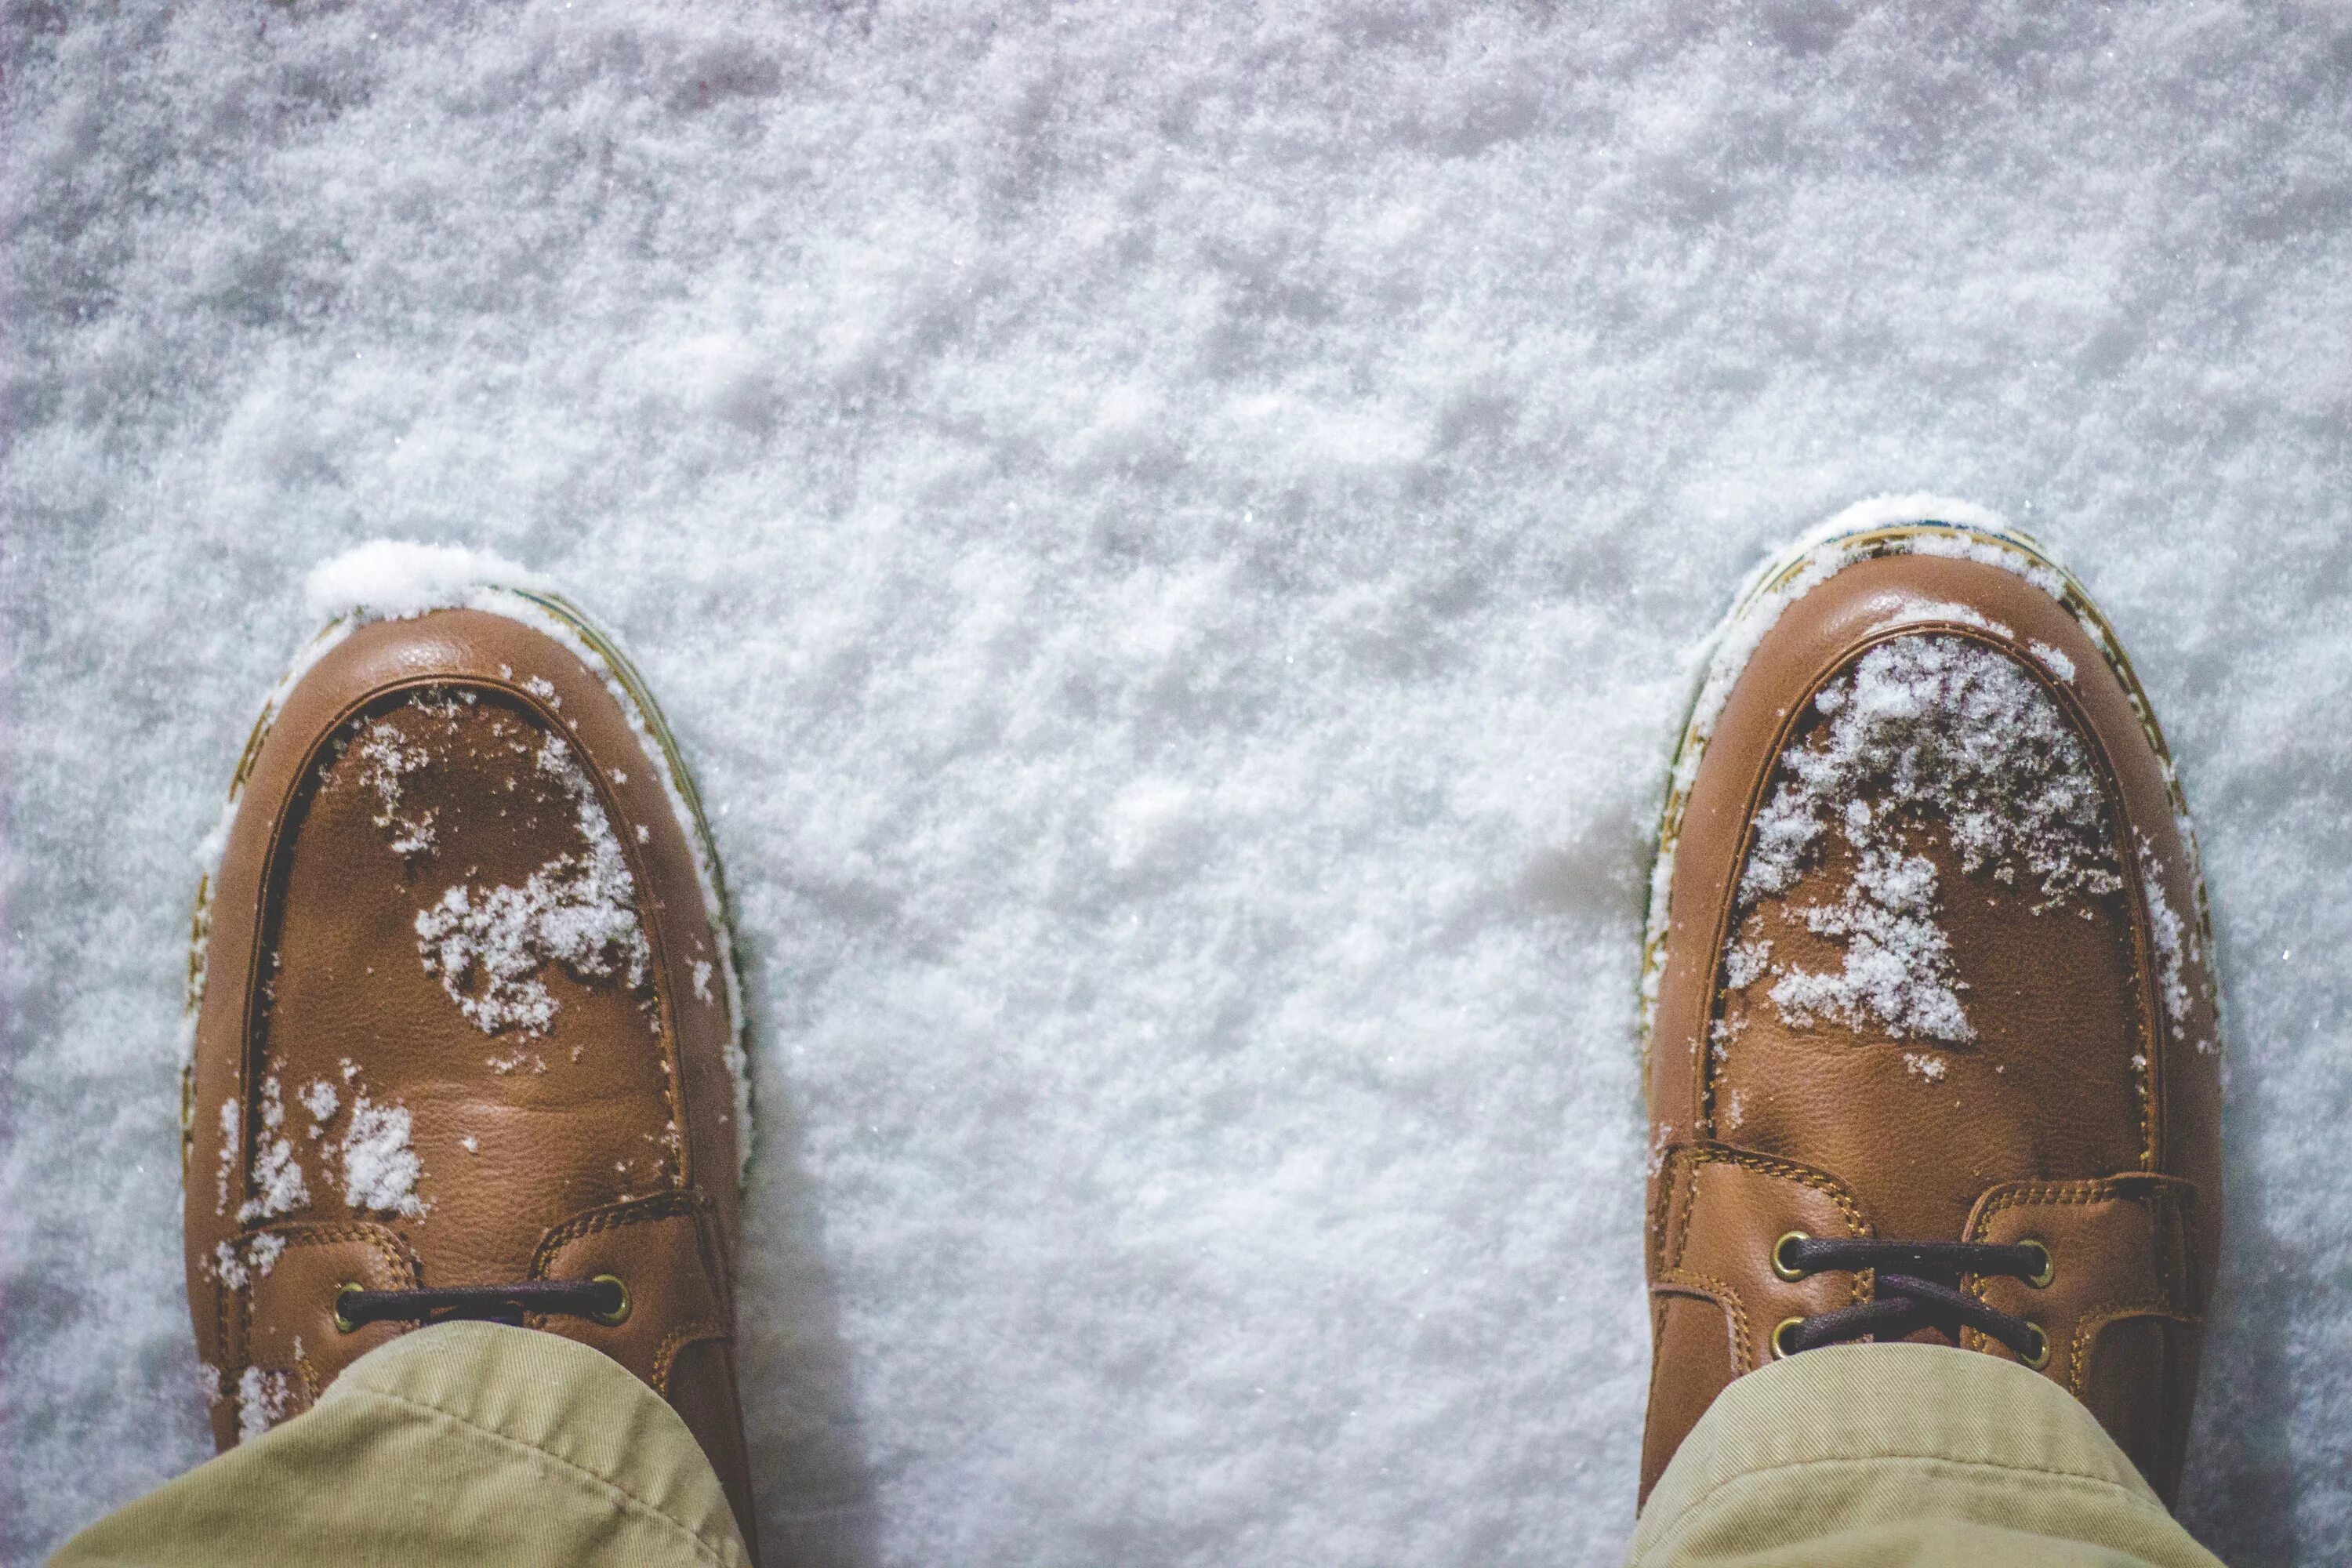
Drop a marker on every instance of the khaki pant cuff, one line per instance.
(1872, 1442)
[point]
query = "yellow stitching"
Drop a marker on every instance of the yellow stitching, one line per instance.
(678, 1340)
(1766, 1164)
(668, 1205)
(2142, 1188)
(2087, 1327)
(1690, 1197)
(1725, 1296)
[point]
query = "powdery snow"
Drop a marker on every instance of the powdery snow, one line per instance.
(1354, 414)
(379, 1168)
(2178, 950)
(2052, 660)
(1924, 1065)
(391, 578)
(1897, 976)
(489, 947)
(386, 757)
(1926, 734)
(278, 1184)
(262, 1252)
(263, 1399)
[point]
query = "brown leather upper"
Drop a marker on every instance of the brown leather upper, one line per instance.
(577, 1120)
(2083, 1114)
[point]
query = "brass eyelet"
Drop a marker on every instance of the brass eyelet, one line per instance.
(1780, 1265)
(344, 1292)
(1779, 1351)
(2041, 1356)
(2048, 1269)
(619, 1314)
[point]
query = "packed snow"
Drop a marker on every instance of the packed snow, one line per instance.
(1175, 540)
(490, 947)
(379, 1168)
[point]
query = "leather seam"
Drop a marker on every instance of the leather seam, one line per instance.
(667, 1206)
(702, 1547)
(2088, 1326)
(1687, 1178)
(395, 1263)
(1771, 1165)
(2157, 1195)
(1724, 1296)
(677, 1339)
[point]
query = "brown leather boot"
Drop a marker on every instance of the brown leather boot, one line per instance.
(466, 1032)
(1932, 1047)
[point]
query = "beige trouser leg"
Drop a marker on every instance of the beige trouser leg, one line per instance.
(456, 1444)
(1904, 1453)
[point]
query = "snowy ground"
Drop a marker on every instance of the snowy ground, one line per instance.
(1173, 541)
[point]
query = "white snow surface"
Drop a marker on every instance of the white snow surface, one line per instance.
(391, 578)
(1173, 537)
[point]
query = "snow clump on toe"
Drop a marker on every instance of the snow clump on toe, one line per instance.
(379, 1168)
(394, 578)
(1924, 732)
(578, 910)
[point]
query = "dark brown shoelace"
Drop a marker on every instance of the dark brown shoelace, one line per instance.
(604, 1298)
(1918, 1286)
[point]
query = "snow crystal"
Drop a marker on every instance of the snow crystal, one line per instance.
(1917, 612)
(470, 1144)
(1926, 732)
(262, 1252)
(702, 980)
(1924, 1065)
(578, 910)
(228, 1266)
(232, 1137)
(319, 1100)
(385, 757)
(263, 1399)
(279, 1186)
(233, 1264)
(2052, 660)
(1745, 962)
(2178, 950)
(379, 1169)
(1898, 962)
